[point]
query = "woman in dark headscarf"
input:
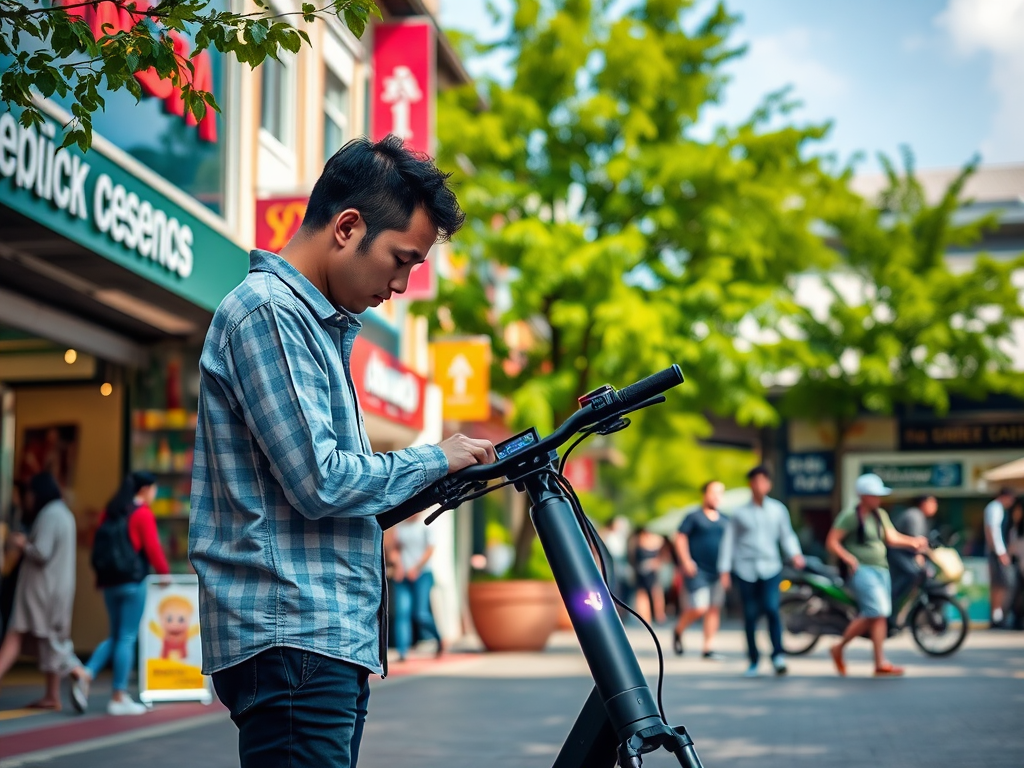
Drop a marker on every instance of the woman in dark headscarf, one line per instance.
(45, 593)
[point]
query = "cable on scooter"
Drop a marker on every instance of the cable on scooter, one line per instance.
(594, 539)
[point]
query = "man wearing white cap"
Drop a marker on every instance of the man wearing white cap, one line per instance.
(865, 555)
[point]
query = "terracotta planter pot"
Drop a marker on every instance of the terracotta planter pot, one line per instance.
(514, 615)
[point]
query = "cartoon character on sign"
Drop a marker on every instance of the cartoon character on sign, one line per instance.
(175, 627)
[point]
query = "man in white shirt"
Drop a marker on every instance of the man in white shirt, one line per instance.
(998, 559)
(750, 552)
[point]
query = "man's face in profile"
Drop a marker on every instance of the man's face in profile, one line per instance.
(359, 278)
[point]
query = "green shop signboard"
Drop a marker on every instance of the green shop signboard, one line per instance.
(948, 474)
(93, 201)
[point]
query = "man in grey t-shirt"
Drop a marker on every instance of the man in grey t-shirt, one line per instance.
(905, 565)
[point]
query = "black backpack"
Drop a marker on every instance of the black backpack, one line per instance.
(114, 558)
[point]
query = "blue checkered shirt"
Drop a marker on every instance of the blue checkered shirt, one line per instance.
(285, 486)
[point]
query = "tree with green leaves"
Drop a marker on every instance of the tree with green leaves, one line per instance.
(87, 48)
(627, 242)
(900, 325)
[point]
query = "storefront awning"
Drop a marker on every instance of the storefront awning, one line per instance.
(49, 269)
(1011, 472)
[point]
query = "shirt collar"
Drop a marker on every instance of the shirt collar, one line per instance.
(265, 261)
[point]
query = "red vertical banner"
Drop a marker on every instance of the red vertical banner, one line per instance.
(405, 83)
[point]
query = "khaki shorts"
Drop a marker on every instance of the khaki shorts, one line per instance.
(711, 596)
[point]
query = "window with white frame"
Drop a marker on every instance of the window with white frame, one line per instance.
(337, 113)
(277, 109)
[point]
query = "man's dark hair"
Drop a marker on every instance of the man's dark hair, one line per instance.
(385, 182)
(917, 501)
(1007, 491)
(760, 469)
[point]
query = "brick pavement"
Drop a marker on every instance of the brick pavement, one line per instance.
(514, 710)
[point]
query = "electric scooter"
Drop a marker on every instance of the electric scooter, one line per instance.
(621, 720)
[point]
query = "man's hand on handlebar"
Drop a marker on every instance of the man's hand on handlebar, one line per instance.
(462, 452)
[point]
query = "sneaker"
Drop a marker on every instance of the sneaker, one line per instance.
(80, 694)
(751, 671)
(126, 706)
(677, 643)
(779, 662)
(712, 656)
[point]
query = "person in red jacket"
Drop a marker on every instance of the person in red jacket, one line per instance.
(125, 602)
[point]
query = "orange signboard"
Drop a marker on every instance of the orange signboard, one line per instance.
(277, 220)
(462, 369)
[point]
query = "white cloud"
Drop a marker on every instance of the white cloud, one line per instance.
(773, 62)
(996, 28)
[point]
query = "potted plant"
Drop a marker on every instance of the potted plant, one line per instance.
(513, 609)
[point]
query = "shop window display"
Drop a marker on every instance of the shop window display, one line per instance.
(163, 429)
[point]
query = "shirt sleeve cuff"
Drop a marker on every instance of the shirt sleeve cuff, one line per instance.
(433, 461)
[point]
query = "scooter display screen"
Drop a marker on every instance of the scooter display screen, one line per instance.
(517, 443)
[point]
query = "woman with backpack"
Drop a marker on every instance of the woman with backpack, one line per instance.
(125, 547)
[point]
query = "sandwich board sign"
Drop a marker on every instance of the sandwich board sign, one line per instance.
(170, 654)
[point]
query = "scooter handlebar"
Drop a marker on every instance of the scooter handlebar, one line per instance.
(448, 489)
(653, 385)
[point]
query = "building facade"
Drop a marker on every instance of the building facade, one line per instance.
(112, 263)
(915, 450)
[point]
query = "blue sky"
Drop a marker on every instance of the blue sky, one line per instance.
(945, 77)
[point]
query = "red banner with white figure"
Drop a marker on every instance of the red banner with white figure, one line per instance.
(405, 83)
(386, 387)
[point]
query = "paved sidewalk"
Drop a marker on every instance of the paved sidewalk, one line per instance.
(515, 709)
(29, 735)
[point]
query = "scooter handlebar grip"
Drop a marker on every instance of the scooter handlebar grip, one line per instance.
(421, 501)
(653, 385)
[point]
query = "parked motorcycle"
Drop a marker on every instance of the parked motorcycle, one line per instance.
(816, 601)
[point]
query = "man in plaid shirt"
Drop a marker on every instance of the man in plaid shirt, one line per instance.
(283, 534)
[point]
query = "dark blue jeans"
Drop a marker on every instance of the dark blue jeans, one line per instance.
(295, 708)
(412, 606)
(761, 597)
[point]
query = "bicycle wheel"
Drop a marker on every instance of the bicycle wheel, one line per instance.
(793, 610)
(939, 625)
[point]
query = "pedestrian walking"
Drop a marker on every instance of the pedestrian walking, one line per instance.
(864, 553)
(907, 566)
(45, 593)
(413, 548)
(999, 569)
(647, 555)
(283, 532)
(698, 545)
(754, 536)
(121, 567)
(1015, 548)
(616, 538)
